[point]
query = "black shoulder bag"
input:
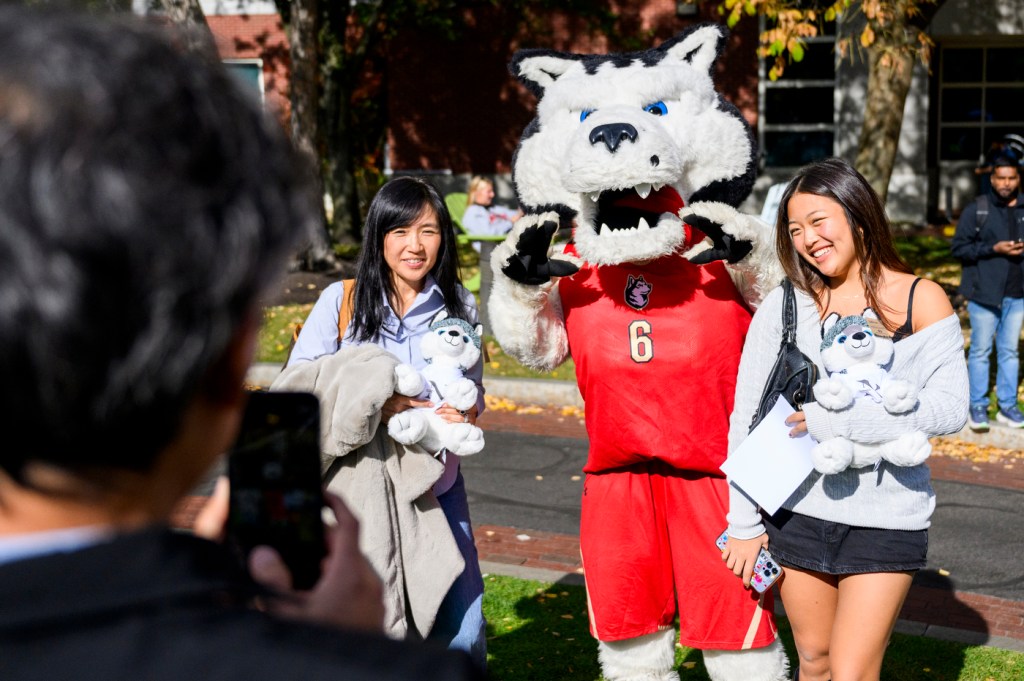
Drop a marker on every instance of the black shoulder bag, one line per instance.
(794, 374)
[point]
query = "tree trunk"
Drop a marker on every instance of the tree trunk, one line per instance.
(189, 15)
(338, 163)
(890, 71)
(888, 85)
(304, 95)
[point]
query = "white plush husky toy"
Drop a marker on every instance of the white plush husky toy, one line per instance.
(855, 358)
(451, 346)
(647, 163)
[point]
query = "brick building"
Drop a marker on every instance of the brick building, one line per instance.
(453, 109)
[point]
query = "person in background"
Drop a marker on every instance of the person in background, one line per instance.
(482, 217)
(849, 542)
(1011, 146)
(407, 273)
(146, 204)
(989, 242)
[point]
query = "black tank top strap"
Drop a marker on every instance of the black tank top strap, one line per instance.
(908, 326)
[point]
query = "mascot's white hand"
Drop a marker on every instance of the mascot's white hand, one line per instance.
(529, 264)
(711, 219)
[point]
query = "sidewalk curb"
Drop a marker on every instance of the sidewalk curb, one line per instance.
(545, 392)
(997, 436)
(539, 391)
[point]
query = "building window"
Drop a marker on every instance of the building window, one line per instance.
(249, 72)
(798, 110)
(981, 99)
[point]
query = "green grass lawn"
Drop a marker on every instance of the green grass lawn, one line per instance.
(279, 324)
(538, 631)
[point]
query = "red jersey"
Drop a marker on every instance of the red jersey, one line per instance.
(657, 347)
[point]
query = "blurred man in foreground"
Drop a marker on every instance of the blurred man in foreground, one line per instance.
(145, 204)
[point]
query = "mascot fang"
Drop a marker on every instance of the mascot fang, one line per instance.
(647, 163)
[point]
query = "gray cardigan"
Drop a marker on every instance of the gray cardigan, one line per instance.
(891, 497)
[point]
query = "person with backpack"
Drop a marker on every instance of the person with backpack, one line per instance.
(989, 242)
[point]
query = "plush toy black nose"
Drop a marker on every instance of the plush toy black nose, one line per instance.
(613, 134)
(453, 332)
(858, 336)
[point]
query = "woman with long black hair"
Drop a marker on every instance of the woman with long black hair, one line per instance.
(407, 273)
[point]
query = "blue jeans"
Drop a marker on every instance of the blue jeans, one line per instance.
(460, 621)
(1003, 324)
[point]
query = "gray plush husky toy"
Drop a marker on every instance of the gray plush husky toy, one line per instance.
(855, 358)
(451, 346)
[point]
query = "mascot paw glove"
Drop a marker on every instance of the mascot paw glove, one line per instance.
(530, 263)
(724, 246)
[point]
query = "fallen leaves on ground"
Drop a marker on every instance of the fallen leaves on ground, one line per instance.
(504, 404)
(975, 453)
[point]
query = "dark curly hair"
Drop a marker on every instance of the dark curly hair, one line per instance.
(145, 203)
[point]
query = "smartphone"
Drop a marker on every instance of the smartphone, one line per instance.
(276, 489)
(766, 570)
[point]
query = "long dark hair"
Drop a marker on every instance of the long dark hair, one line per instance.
(398, 203)
(836, 179)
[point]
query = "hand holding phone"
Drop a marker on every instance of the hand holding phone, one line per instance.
(276, 496)
(766, 571)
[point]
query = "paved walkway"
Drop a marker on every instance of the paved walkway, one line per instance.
(933, 611)
(929, 611)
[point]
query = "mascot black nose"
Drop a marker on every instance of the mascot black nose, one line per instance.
(453, 332)
(858, 336)
(613, 134)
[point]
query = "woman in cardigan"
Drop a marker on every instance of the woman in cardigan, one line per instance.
(851, 541)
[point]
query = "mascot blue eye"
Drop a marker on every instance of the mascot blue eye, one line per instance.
(657, 109)
(585, 113)
(841, 339)
(465, 339)
(440, 332)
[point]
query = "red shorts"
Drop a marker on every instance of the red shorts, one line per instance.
(647, 537)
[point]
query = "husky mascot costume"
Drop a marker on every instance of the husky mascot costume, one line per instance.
(646, 162)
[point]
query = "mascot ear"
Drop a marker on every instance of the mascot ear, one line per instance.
(869, 313)
(479, 330)
(443, 314)
(699, 47)
(539, 69)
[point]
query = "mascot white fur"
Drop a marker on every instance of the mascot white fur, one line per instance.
(646, 162)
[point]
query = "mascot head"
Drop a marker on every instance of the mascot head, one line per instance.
(621, 142)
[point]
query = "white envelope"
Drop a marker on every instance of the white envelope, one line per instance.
(769, 465)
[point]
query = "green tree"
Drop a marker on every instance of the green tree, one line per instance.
(891, 36)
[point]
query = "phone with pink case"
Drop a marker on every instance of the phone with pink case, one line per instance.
(766, 570)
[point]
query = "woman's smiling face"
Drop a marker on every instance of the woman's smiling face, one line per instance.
(822, 235)
(411, 251)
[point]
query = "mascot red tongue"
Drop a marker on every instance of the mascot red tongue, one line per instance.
(665, 200)
(631, 301)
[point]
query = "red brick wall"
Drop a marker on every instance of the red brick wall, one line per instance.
(258, 36)
(454, 105)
